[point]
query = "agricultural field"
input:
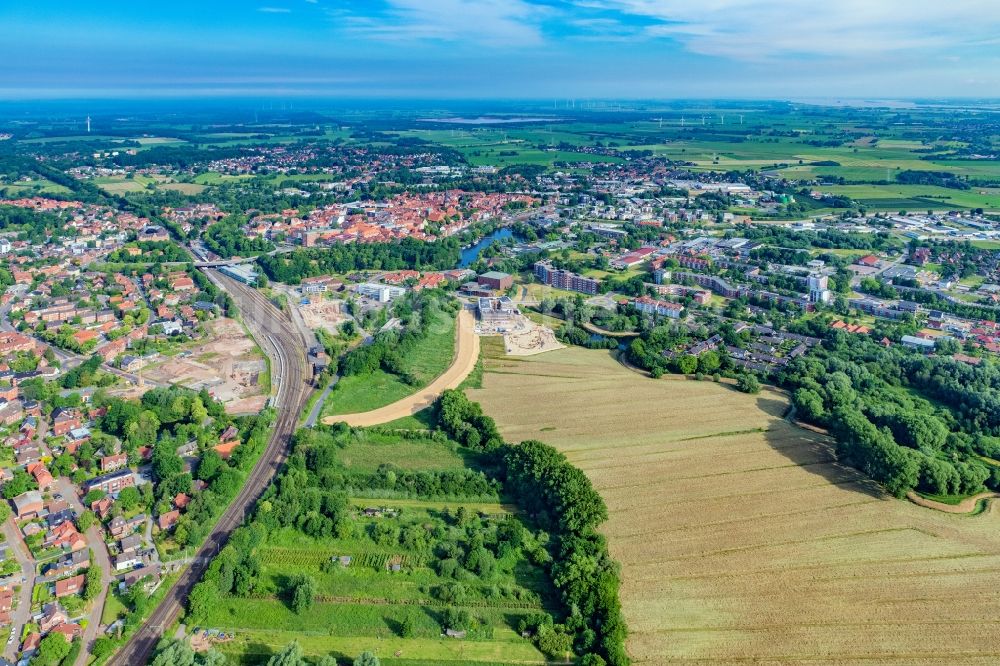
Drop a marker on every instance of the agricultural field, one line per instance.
(214, 178)
(36, 187)
(862, 149)
(405, 575)
(918, 197)
(740, 538)
(183, 188)
(428, 359)
(121, 185)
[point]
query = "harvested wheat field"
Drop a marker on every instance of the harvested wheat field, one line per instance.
(740, 539)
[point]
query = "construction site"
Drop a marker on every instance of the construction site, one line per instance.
(319, 312)
(227, 363)
(530, 338)
(521, 336)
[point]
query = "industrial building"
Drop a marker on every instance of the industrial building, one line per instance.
(240, 272)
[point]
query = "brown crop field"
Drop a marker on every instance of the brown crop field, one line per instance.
(740, 538)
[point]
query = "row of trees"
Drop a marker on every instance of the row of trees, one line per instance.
(172, 652)
(562, 499)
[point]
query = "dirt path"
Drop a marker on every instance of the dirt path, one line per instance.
(466, 355)
(968, 505)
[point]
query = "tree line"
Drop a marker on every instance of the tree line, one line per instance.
(562, 499)
(407, 253)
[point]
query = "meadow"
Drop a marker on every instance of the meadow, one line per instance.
(399, 615)
(741, 539)
(918, 197)
(36, 187)
(428, 359)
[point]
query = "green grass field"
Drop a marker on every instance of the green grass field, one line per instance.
(121, 185)
(427, 360)
(919, 197)
(375, 450)
(32, 188)
(258, 648)
(422, 420)
(364, 606)
(213, 178)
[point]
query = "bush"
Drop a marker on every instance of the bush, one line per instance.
(748, 384)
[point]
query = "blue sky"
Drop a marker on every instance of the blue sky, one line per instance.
(533, 49)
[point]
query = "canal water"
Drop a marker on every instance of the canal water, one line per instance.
(471, 253)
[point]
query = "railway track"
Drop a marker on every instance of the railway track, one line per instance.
(283, 345)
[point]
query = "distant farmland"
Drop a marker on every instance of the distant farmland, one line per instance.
(741, 541)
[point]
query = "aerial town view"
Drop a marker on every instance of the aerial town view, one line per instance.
(476, 333)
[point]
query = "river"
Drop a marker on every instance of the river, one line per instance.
(471, 253)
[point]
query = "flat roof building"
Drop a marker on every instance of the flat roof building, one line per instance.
(561, 279)
(240, 272)
(496, 280)
(383, 293)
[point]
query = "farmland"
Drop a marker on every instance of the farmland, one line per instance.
(740, 539)
(851, 148)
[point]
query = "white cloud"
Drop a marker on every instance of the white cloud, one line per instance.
(494, 23)
(840, 28)
(274, 10)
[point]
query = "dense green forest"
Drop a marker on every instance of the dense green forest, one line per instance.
(907, 420)
(408, 253)
(227, 239)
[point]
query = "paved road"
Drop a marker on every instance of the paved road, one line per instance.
(102, 559)
(283, 345)
(22, 613)
(317, 407)
(466, 355)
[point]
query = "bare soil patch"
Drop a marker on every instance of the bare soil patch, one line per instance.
(226, 363)
(323, 313)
